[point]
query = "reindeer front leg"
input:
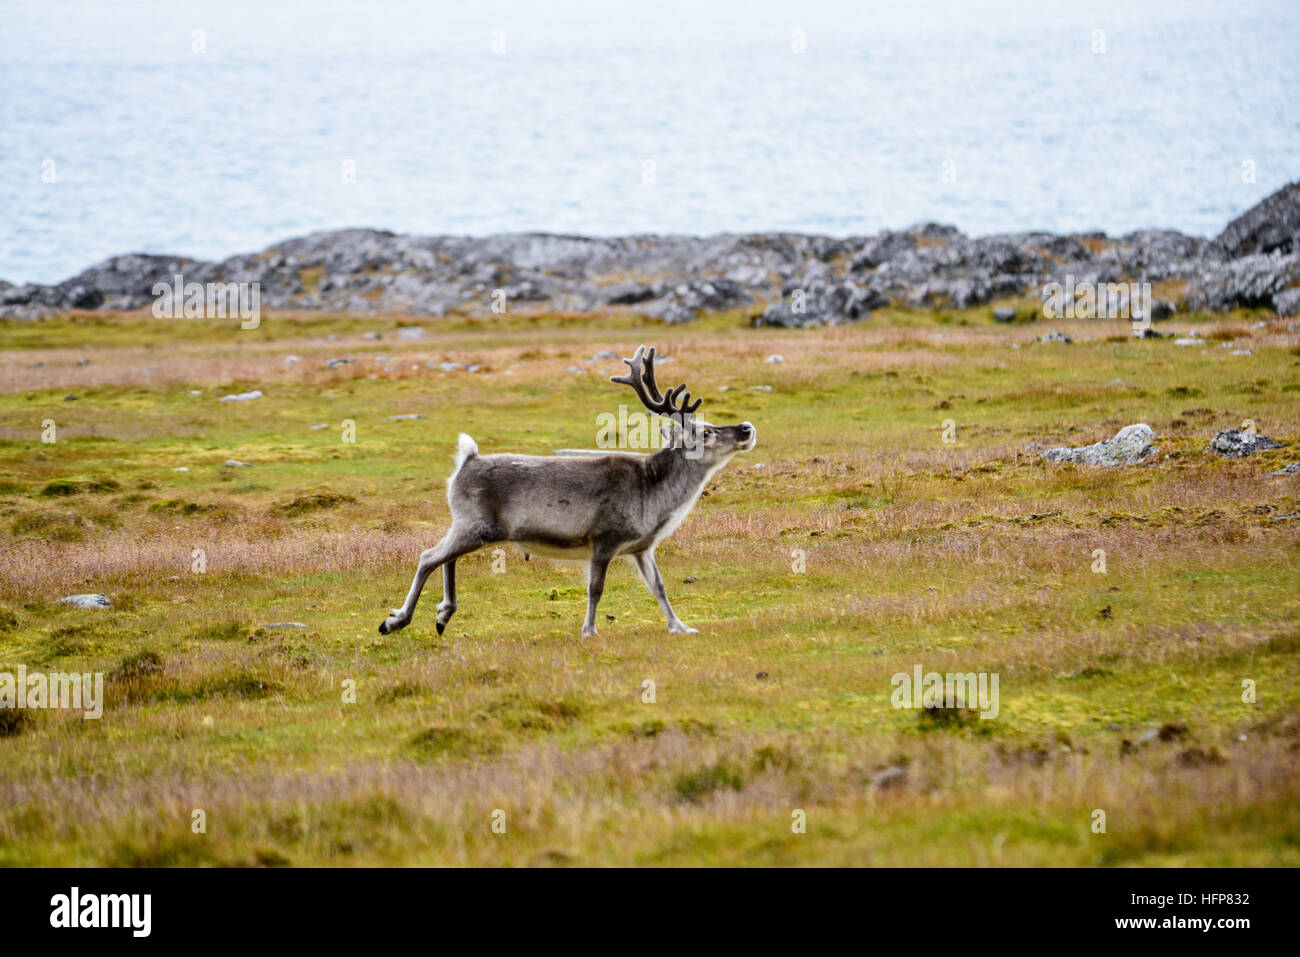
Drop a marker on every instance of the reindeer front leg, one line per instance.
(645, 564)
(595, 586)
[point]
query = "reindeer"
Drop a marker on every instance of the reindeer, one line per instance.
(594, 508)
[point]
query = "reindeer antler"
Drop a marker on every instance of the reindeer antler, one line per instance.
(642, 380)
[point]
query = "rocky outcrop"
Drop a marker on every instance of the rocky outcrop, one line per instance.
(787, 279)
(1272, 226)
(1130, 446)
(1238, 443)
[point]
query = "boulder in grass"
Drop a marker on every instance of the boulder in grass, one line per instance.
(1292, 469)
(1287, 302)
(86, 601)
(242, 396)
(1130, 446)
(1238, 443)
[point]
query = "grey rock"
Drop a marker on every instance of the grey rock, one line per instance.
(882, 249)
(671, 312)
(285, 624)
(236, 464)
(87, 601)
(1272, 225)
(1238, 443)
(1287, 302)
(242, 396)
(1055, 336)
(526, 291)
(810, 301)
(1249, 282)
(630, 293)
(1004, 314)
(405, 416)
(1292, 469)
(1130, 446)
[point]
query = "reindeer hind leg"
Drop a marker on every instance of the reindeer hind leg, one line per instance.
(447, 607)
(457, 542)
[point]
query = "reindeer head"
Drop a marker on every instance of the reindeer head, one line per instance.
(698, 440)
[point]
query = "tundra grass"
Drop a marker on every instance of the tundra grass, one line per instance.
(1143, 621)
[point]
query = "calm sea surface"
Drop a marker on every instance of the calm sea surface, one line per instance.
(213, 128)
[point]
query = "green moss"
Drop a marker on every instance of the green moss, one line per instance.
(311, 502)
(696, 785)
(51, 526)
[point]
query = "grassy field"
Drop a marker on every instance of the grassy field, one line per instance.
(854, 543)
